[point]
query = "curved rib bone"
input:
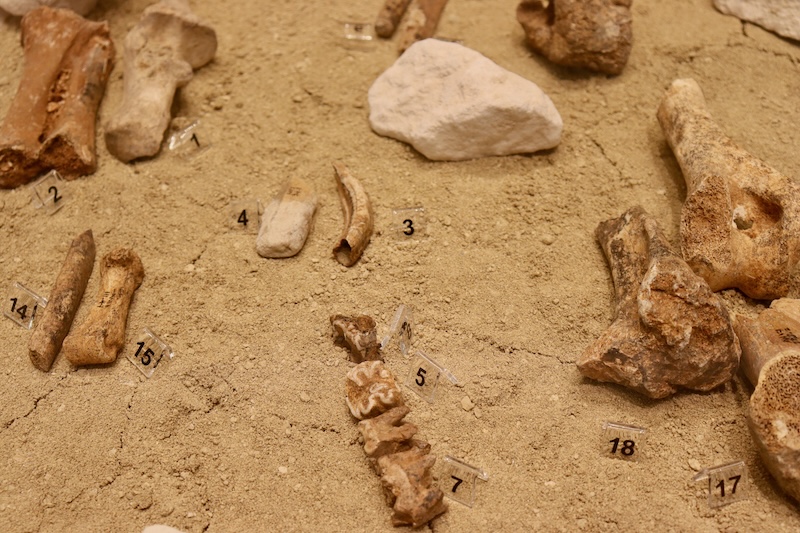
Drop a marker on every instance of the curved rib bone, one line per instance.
(357, 217)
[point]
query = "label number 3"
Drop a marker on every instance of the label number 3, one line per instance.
(409, 227)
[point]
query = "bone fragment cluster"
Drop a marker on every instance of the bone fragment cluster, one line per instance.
(371, 390)
(287, 220)
(359, 334)
(591, 34)
(51, 121)
(670, 330)
(740, 223)
(161, 53)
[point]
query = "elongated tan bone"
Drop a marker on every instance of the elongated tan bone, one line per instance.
(371, 390)
(389, 16)
(161, 52)
(358, 218)
(22, 7)
(101, 336)
(670, 331)
(57, 317)
(421, 21)
(51, 121)
(771, 361)
(740, 224)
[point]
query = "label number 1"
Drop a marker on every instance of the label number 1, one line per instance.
(147, 356)
(627, 446)
(721, 485)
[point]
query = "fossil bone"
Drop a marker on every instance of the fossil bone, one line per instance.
(357, 333)
(357, 217)
(371, 390)
(740, 224)
(771, 361)
(51, 122)
(421, 21)
(56, 319)
(161, 52)
(101, 336)
(670, 331)
(21, 7)
(287, 220)
(386, 433)
(593, 34)
(406, 478)
(389, 16)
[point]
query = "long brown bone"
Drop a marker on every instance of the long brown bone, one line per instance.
(51, 122)
(670, 330)
(358, 218)
(771, 361)
(421, 21)
(740, 224)
(389, 16)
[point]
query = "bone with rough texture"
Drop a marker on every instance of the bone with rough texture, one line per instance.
(161, 52)
(592, 34)
(287, 220)
(101, 336)
(51, 121)
(358, 334)
(740, 224)
(771, 361)
(421, 21)
(387, 433)
(406, 478)
(21, 7)
(670, 331)
(779, 16)
(358, 218)
(55, 320)
(371, 390)
(389, 16)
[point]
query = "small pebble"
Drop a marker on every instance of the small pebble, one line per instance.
(305, 397)
(466, 403)
(548, 239)
(283, 470)
(694, 464)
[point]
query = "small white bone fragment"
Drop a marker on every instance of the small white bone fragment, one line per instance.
(358, 218)
(358, 334)
(371, 390)
(51, 122)
(740, 223)
(161, 52)
(21, 7)
(779, 16)
(287, 220)
(387, 433)
(101, 336)
(771, 361)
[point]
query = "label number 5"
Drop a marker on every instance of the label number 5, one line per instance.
(421, 379)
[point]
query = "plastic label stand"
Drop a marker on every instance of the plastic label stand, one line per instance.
(358, 31)
(408, 223)
(244, 215)
(726, 483)
(423, 376)
(22, 305)
(402, 327)
(49, 192)
(148, 352)
(189, 142)
(458, 480)
(621, 441)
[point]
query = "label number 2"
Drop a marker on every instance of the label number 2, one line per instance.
(421, 379)
(721, 485)
(242, 218)
(409, 227)
(627, 446)
(53, 189)
(147, 356)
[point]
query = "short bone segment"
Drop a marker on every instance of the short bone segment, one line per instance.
(101, 336)
(670, 331)
(740, 224)
(51, 121)
(161, 53)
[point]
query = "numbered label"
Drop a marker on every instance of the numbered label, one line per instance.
(190, 141)
(726, 483)
(409, 222)
(358, 31)
(244, 215)
(423, 376)
(401, 327)
(458, 480)
(148, 351)
(49, 192)
(622, 441)
(22, 305)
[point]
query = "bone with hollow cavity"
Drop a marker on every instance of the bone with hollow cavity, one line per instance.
(65, 298)
(421, 21)
(358, 334)
(21, 7)
(670, 331)
(771, 361)
(358, 218)
(371, 390)
(161, 52)
(387, 433)
(287, 220)
(740, 224)
(51, 121)
(389, 16)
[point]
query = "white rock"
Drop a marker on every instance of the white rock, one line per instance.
(20, 7)
(161, 529)
(780, 16)
(287, 220)
(452, 103)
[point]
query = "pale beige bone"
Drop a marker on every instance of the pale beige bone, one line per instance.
(371, 390)
(387, 433)
(358, 218)
(670, 331)
(51, 121)
(389, 16)
(22, 7)
(407, 481)
(161, 52)
(358, 334)
(287, 220)
(771, 361)
(421, 21)
(101, 336)
(740, 224)
(55, 320)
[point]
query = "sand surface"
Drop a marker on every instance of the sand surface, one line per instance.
(246, 428)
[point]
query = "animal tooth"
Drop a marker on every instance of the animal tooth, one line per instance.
(358, 218)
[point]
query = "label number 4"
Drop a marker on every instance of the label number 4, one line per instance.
(721, 485)
(242, 218)
(147, 356)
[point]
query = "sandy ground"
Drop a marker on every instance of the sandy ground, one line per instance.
(246, 428)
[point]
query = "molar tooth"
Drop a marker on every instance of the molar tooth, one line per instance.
(358, 218)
